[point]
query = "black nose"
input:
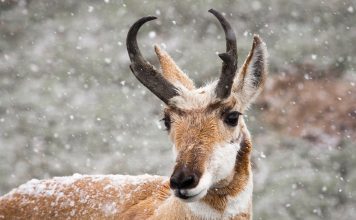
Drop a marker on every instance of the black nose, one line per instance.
(184, 179)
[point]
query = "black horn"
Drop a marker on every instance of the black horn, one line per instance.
(145, 72)
(229, 58)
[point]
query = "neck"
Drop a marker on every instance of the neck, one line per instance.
(234, 198)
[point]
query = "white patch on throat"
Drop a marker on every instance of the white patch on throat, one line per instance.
(221, 166)
(235, 205)
(204, 211)
(240, 203)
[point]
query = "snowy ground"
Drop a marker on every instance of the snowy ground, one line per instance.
(69, 103)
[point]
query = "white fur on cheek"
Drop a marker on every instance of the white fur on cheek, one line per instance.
(222, 161)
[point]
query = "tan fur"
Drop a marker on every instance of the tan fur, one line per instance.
(202, 140)
(147, 200)
(132, 201)
(171, 71)
(85, 198)
(196, 145)
(205, 131)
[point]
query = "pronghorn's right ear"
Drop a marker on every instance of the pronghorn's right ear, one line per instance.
(252, 76)
(171, 71)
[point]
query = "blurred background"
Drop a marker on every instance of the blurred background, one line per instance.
(69, 104)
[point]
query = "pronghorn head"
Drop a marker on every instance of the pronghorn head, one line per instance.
(205, 124)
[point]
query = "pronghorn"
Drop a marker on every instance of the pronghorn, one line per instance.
(212, 176)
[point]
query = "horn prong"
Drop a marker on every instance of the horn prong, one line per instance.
(229, 66)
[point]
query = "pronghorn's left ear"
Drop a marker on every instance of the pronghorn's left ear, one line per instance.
(171, 71)
(252, 75)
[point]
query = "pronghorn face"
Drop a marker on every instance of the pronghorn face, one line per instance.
(206, 141)
(205, 124)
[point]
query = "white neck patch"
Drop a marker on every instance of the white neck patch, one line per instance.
(235, 205)
(240, 203)
(204, 211)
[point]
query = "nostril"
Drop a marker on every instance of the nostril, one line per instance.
(188, 182)
(174, 182)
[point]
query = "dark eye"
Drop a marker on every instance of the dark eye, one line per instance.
(232, 118)
(167, 122)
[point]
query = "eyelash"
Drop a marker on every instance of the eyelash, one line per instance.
(168, 120)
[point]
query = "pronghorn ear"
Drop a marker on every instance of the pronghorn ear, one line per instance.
(171, 71)
(252, 76)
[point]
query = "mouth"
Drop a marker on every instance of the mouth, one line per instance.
(184, 195)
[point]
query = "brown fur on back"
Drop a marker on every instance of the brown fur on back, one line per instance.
(103, 198)
(85, 198)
